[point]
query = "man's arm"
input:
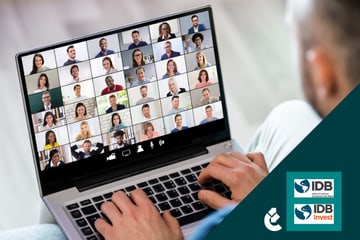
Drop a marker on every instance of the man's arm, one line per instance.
(100, 147)
(74, 152)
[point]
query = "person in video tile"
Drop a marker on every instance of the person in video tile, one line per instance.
(136, 40)
(88, 150)
(149, 132)
(114, 106)
(103, 48)
(54, 159)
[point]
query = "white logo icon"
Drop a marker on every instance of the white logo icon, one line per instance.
(270, 220)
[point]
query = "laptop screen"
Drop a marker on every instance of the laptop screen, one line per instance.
(123, 97)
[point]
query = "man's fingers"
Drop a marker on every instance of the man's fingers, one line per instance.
(213, 199)
(122, 201)
(103, 227)
(172, 223)
(111, 211)
(215, 171)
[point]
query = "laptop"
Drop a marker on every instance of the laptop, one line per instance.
(140, 106)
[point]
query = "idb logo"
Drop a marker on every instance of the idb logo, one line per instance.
(303, 186)
(314, 214)
(304, 212)
(322, 185)
(313, 188)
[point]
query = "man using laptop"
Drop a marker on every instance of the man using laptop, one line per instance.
(323, 43)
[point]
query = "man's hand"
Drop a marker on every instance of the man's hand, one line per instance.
(240, 173)
(136, 218)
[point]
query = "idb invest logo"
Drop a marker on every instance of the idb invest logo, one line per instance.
(314, 201)
(313, 188)
(314, 213)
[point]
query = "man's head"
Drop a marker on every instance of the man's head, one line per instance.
(195, 20)
(135, 36)
(140, 74)
(146, 110)
(178, 120)
(87, 146)
(103, 44)
(143, 91)
(119, 136)
(77, 90)
(167, 46)
(206, 94)
(71, 52)
(74, 71)
(46, 98)
(109, 82)
(208, 111)
(112, 100)
(175, 102)
(328, 37)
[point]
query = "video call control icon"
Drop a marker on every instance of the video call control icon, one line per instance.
(270, 219)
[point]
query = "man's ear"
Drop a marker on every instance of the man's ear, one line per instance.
(323, 71)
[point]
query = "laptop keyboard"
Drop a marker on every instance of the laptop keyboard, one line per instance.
(176, 192)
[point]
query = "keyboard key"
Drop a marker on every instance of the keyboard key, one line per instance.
(98, 205)
(158, 188)
(153, 200)
(97, 198)
(191, 178)
(161, 197)
(176, 212)
(183, 190)
(198, 205)
(185, 171)
(204, 165)
(169, 184)
(196, 168)
(142, 184)
(148, 191)
(172, 193)
(186, 209)
(153, 181)
(72, 206)
(164, 178)
(164, 206)
(87, 231)
(108, 195)
(85, 202)
(76, 214)
(187, 199)
(130, 188)
(88, 210)
(180, 181)
(194, 186)
(174, 175)
(81, 222)
(195, 195)
(175, 202)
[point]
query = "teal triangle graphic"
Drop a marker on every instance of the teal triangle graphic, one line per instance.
(333, 146)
